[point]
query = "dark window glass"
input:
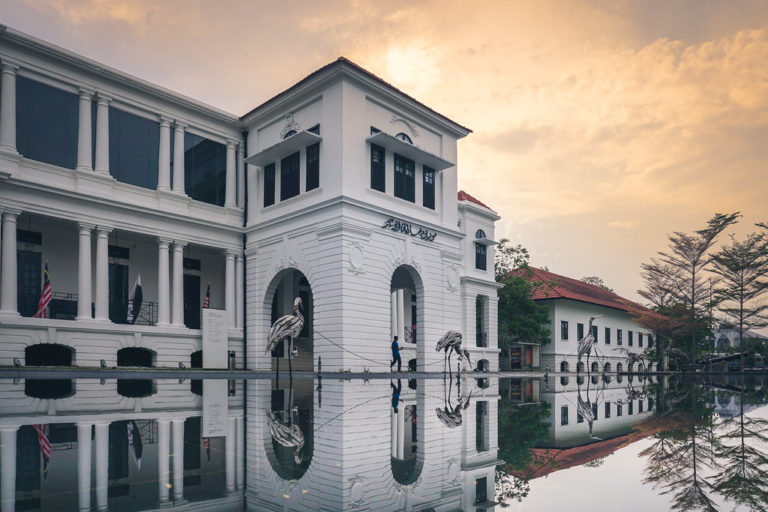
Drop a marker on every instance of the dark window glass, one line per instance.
(618, 409)
(564, 330)
(269, 185)
(429, 187)
(46, 123)
(133, 148)
(481, 260)
(594, 411)
(607, 409)
(404, 137)
(607, 335)
(630, 407)
(314, 129)
(564, 415)
(594, 332)
(579, 418)
(639, 339)
(639, 406)
(481, 490)
(618, 336)
(377, 168)
(205, 169)
(405, 184)
(579, 331)
(289, 176)
(650, 340)
(629, 338)
(313, 166)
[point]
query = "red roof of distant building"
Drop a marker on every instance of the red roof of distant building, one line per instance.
(561, 287)
(463, 196)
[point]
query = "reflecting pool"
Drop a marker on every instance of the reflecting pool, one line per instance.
(588, 442)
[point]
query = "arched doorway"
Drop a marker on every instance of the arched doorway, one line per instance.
(595, 366)
(405, 310)
(564, 367)
(48, 354)
(619, 367)
(282, 292)
(406, 434)
(290, 428)
(607, 368)
(136, 357)
(196, 361)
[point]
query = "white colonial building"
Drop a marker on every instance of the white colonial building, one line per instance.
(571, 303)
(341, 190)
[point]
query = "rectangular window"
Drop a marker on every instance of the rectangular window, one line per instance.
(564, 329)
(594, 332)
(429, 187)
(618, 409)
(269, 185)
(480, 257)
(482, 425)
(134, 145)
(579, 418)
(313, 166)
(481, 490)
(607, 335)
(607, 409)
(378, 175)
(639, 339)
(205, 169)
(618, 336)
(650, 341)
(579, 332)
(564, 415)
(630, 407)
(405, 183)
(629, 338)
(46, 123)
(639, 406)
(289, 176)
(594, 411)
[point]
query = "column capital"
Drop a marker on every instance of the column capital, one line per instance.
(9, 66)
(164, 241)
(180, 125)
(164, 120)
(10, 213)
(231, 143)
(103, 99)
(231, 253)
(85, 226)
(85, 92)
(9, 428)
(103, 230)
(180, 244)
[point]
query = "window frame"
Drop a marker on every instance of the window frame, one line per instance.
(405, 178)
(427, 188)
(564, 330)
(378, 169)
(563, 415)
(619, 340)
(607, 335)
(269, 185)
(312, 177)
(579, 331)
(481, 257)
(290, 166)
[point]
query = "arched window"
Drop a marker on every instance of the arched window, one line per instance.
(404, 137)
(289, 133)
(196, 361)
(579, 367)
(480, 234)
(619, 367)
(137, 357)
(607, 368)
(564, 366)
(595, 366)
(48, 354)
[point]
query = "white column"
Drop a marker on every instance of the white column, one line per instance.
(163, 432)
(8, 108)
(8, 468)
(102, 273)
(393, 431)
(239, 291)
(163, 306)
(102, 134)
(178, 158)
(8, 299)
(84, 272)
(239, 454)
(393, 315)
(229, 286)
(231, 439)
(164, 155)
(84, 466)
(241, 175)
(178, 283)
(400, 315)
(178, 459)
(84, 150)
(401, 431)
(229, 198)
(102, 464)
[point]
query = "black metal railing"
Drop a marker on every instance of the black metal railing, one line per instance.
(63, 306)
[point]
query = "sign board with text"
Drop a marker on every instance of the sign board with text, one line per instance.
(214, 327)
(215, 408)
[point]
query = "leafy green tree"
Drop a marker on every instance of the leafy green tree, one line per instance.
(596, 281)
(742, 267)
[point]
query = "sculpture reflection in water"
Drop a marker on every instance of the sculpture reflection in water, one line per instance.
(449, 415)
(289, 421)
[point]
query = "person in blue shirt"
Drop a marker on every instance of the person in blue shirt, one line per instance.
(396, 355)
(396, 393)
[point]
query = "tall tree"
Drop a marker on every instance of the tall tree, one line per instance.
(685, 263)
(742, 267)
(597, 281)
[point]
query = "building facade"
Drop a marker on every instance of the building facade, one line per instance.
(341, 190)
(571, 304)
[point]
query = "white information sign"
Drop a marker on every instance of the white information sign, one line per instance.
(215, 408)
(214, 327)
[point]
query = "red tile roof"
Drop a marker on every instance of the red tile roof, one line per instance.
(562, 287)
(463, 196)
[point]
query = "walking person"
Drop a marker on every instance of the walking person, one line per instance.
(396, 355)
(396, 393)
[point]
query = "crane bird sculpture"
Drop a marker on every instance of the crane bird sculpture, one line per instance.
(585, 411)
(587, 343)
(289, 436)
(286, 327)
(632, 357)
(449, 415)
(451, 342)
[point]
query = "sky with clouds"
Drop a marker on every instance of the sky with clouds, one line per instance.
(599, 126)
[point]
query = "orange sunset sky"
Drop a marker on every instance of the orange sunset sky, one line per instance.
(599, 126)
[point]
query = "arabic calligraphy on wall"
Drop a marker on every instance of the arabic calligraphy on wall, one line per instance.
(407, 228)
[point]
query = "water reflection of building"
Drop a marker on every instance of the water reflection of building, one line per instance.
(136, 453)
(367, 456)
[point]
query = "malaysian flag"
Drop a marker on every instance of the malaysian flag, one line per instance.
(134, 439)
(45, 296)
(134, 302)
(207, 299)
(207, 443)
(45, 447)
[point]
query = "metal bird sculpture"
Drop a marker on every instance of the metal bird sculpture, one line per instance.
(585, 411)
(286, 327)
(289, 436)
(449, 415)
(451, 342)
(632, 357)
(587, 343)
